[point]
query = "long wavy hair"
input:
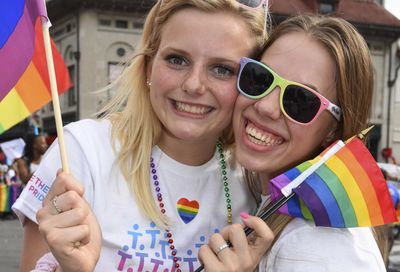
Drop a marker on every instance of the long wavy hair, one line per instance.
(135, 126)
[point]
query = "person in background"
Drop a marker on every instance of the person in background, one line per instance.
(35, 148)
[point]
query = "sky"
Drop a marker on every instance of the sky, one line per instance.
(393, 6)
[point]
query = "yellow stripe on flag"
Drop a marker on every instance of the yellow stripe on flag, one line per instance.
(12, 110)
(353, 190)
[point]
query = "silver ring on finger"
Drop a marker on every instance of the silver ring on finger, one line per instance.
(54, 202)
(221, 248)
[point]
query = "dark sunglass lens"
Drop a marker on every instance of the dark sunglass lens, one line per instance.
(255, 79)
(250, 3)
(300, 104)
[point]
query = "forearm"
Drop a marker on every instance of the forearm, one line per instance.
(34, 246)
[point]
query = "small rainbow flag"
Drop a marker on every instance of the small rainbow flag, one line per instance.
(24, 84)
(342, 187)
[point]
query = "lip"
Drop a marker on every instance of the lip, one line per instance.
(255, 147)
(188, 114)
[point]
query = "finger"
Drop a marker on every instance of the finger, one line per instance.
(64, 202)
(64, 182)
(208, 258)
(262, 236)
(70, 218)
(219, 245)
(240, 247)
(66, 238)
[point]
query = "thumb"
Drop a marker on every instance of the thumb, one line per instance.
(261, 238)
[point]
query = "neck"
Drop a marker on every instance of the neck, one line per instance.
(264, 179)
(36, 156)
(188, 152)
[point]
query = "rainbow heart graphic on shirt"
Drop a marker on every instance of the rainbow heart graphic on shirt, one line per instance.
(187, 210)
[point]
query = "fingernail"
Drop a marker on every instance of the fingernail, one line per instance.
(244, 215)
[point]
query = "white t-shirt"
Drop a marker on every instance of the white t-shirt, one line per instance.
(130, 241)
(303, 247)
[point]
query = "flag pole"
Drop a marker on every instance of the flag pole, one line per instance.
(54, 94)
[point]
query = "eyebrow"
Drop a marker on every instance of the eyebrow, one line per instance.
(213, 58)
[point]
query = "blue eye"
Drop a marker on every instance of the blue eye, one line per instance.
(223, 71)
(176, 60)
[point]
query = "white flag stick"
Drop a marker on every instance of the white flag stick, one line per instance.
(287, 190)
(54, 95)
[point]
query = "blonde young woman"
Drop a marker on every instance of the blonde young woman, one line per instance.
(278, 127)
(152, 176)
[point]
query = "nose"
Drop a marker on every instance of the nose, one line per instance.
(269, 106)
(194, 81)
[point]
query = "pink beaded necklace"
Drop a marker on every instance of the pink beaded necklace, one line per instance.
(162, 206)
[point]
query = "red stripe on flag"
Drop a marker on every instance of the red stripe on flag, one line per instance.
(375, 175)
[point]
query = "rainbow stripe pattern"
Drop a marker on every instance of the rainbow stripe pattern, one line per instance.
(342, 187)
(8, 195)
(17, 39)
(24, 84)
(187, 210)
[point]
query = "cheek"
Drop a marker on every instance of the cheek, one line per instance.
(306, 140)
(227, 97)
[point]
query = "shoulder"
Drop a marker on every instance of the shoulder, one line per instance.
(91, 126)
(89, 131)
(302, 243)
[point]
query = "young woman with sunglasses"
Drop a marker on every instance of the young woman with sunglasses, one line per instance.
(312, 85)
(155, 177)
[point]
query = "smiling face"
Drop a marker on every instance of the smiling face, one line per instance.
(266, 140)
(193, 75)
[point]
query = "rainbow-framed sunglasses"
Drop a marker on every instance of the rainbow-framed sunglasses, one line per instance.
(298, 102)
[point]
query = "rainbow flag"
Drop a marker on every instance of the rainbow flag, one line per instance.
(17, 38)
(24, 84)
(342, 187)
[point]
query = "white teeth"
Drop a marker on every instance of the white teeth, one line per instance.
(260, 137)
(191, 108)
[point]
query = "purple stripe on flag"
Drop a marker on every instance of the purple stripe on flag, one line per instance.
(18, 51)
(327, 198)
(313, 203)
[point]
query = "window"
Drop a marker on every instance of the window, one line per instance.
(104, 22)
(138, 25)
(121, 24)
(71, 98)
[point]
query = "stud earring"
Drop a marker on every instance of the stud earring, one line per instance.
(148, 82)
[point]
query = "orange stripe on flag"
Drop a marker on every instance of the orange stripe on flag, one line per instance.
(365, 185)
(32, 89)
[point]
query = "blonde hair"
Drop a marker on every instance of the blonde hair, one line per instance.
(135, 126)
(354, 80)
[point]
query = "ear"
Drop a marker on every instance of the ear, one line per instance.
(332, 135)
(149, 68)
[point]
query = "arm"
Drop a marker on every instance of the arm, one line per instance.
(33, 247)
(23, 171)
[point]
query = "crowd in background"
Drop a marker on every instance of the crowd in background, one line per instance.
(14, 174)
